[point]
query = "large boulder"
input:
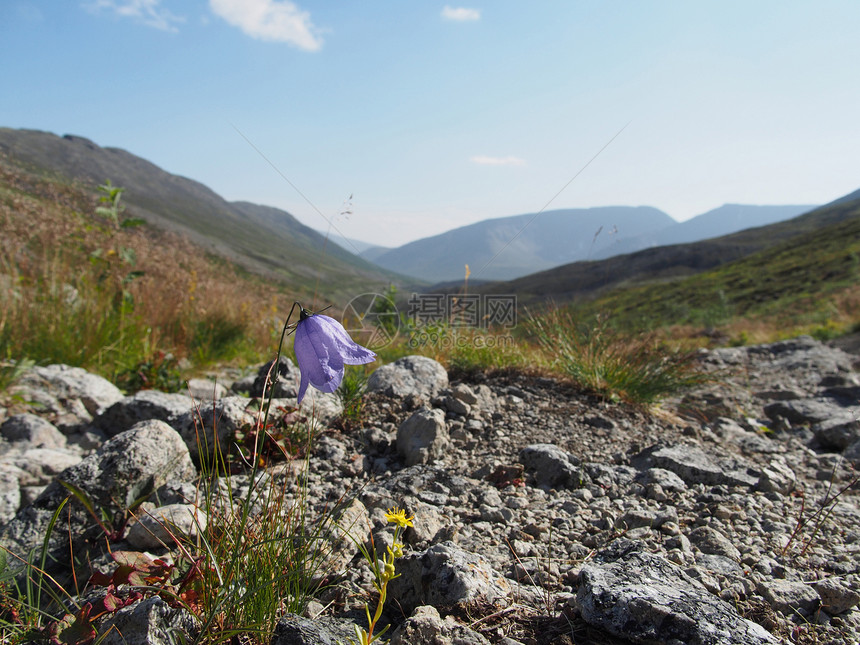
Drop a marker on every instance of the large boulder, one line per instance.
(148, 622)
(416, 375)
(426, 627)
(423, 437)
(551, 466)
(286, 380)
(70, 396)
(213, 423)
(447, 577)
(33, 431)
(143, 406)
(121, 473)
(164, 525)
(695, 466)
(644, 598)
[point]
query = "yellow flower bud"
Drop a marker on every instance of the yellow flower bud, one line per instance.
(387, 572)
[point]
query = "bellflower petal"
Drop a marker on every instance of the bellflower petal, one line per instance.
(322, 347)
(351, 352)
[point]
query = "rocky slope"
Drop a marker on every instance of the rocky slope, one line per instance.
(542, 515)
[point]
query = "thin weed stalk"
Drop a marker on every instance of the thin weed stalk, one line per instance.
(821, 514)
(262, 553)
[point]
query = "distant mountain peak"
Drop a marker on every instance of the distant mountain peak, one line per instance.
(505, 248)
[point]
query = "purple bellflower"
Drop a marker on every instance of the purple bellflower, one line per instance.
(322, 348)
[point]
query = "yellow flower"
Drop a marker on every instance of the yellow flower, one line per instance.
(398, 516)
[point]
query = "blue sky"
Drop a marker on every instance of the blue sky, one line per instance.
(433, 116)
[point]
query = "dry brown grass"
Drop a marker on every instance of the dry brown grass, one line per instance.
(62, 265)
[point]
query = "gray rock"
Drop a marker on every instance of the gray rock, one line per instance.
(636, 518)
(852, 453)
(205, 390)
(62, 384)
(324, 407)
(423, 437)
(645, 517)
(149, 622)
(464, 393)
(836, 596)
(720, 564)
(161, 525)
(32, 430)
(39, 466)
(350, 527)
(609, 477)
(198, 425)
(779, 394)
(756, 443)
(777, 477)
(123, 471)
(10, 493)
(456, 406)
(711, 541)
(447, 577)
(666, 479)
(287, 384)
(551, 466)
(790, 597)
(426, 627)
(143, 406)
(643, 598)
(426, 483)
(428, 525)
(838, 432)
(329, 449)
(296, 630)
(486, 399)
(805, 354)
(805, 411)
(244, 385)
(417, 375)
(695, 466)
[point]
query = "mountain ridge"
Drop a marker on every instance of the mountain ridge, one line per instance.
(588, 279)
(263, 239)
(723, 220)
(514, 246)
(505, 247)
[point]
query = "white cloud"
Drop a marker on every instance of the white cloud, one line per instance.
(485, 160)
(145, 11)
(270, 20)
(460, 14)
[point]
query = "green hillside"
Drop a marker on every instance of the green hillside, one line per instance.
(808, 282)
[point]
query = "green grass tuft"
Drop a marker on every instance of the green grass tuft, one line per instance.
(639, 370)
